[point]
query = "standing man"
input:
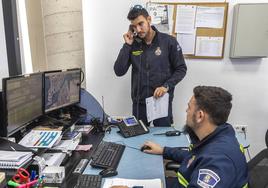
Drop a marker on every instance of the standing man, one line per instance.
(157, 64)
(215, 158)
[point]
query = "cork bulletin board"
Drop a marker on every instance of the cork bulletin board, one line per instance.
(203, 33)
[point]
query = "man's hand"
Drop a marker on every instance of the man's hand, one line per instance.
(155, 148)
(160, 91)
(128, 37)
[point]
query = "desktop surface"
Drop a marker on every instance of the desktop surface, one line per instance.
(135, 164)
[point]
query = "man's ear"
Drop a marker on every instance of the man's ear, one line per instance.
(149, 19)
(200, 115)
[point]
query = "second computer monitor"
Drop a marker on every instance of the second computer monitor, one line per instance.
(62, 88)
(22, 101)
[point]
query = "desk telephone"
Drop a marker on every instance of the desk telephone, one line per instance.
(131, 127)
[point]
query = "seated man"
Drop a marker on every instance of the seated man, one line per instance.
(215, 158)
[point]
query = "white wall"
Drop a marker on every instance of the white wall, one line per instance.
(3, 51)
(104, 24)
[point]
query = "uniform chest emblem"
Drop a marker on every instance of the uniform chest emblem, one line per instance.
(158, 51)
(190, 161)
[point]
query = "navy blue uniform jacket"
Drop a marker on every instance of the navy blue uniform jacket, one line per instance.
(160, 63)
(216, 161)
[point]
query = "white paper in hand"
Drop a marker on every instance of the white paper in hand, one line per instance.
(157, 108)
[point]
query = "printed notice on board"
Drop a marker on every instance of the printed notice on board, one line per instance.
(187, 42)
(210, 17)
(185, 19)
(209, 46)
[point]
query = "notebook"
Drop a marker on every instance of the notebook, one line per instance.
(14, 159)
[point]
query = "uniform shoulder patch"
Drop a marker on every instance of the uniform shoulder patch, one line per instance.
(207, 178)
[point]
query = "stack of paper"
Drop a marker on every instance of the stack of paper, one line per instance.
(145, 183)
(14, 159)
(84, 129)
(66, 145)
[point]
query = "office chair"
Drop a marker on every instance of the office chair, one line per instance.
(172, 166)
(258, 168)
(93, 107)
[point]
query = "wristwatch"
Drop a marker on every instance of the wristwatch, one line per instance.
(166, 86)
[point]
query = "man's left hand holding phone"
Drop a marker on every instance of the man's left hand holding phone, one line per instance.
(129, 36)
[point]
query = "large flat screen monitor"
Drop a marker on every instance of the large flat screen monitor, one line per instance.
(62, 88)
(22, 100)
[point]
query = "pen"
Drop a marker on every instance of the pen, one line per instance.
(12, 148)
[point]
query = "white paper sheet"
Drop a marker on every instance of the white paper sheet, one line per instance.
(157, 108)
(186, 1)
(187, 42)
(185, 19)
(146, 183)
(210, 17)
(209, 46)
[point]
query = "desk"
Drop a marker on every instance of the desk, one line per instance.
(135, 164)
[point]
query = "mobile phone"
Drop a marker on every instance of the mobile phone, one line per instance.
(132, 30)
(135, 34)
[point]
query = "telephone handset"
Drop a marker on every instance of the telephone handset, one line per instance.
(135, 34)
(131, 127)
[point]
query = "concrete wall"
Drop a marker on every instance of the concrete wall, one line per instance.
(104, 24)
(36, 34)
(55, 34)
(63, 33)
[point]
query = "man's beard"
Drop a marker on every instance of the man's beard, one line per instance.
(188, 130)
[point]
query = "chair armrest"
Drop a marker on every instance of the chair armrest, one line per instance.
(172, 166)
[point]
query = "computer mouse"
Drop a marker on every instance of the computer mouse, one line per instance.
(108, 172)
(145, 148)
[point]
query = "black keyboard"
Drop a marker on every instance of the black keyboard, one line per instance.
(88, 181)
(107, 155)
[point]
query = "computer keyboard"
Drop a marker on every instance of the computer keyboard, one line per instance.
(107, 155)
(88, 181)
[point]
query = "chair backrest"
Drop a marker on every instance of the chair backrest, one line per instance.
(266, 138)
(93, 107)
(258, 168)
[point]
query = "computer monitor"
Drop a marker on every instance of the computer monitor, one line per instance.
(62, 88)
(22, 101)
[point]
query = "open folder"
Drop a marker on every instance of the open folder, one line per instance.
(145, 183)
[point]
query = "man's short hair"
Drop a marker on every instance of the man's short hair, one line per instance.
(137, 11)
(215, 101)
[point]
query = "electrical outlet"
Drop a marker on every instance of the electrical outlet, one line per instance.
(241, 128)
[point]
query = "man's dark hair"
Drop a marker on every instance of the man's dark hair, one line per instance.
(215, 101)
(137, 11)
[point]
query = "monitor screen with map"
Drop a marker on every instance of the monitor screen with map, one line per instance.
(62, 88)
